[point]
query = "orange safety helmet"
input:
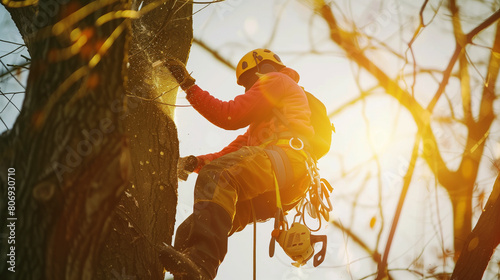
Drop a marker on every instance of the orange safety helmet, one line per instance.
(253, 59)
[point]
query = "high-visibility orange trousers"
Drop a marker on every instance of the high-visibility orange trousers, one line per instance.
(224, 193)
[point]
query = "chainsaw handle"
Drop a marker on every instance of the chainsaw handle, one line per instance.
(320, 256)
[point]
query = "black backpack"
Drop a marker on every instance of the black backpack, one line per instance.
(323, 128)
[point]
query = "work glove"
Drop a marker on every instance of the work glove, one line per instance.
(186, 166)
(180, 73)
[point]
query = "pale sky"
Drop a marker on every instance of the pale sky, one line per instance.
(240, 26)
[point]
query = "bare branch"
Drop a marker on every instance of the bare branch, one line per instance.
(486, 23)
(12, 75)
(276, 25)
(462, 62)
(382, 268)
(10, 42)
(467, 40)
(14, 68)
(215, 53)
(486, 113)
(362, 96)
(374, 255)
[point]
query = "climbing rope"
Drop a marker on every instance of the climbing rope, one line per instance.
(254, 242)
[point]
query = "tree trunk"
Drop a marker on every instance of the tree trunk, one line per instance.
(145, 216)
(67, 151)
(79, 143)
(483, 240)
(461, 202)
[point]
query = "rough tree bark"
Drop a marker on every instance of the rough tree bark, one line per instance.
(68, 149)
(145, 216)
(483, 240)
(71, 148)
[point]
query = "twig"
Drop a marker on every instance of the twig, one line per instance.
(1, 119)
(382, 269)
(12, 75)
(14, 67)
(213, 52)
(276, 25)
(10, 42)
(375, 255)
(9, 101)
(363, 95)
(468, 39)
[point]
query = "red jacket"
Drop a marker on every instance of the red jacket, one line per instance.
(275, 99)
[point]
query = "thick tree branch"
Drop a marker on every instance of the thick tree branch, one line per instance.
(486, 23)
(486, 112)
(482, 241)
(463, 64)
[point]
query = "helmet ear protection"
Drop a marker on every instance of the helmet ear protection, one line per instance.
(258, 58)
(264, 68)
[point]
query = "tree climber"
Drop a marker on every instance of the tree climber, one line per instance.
(239, 179)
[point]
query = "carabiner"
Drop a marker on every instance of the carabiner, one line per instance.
(291, 144)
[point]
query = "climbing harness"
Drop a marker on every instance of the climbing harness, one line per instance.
(297, 240)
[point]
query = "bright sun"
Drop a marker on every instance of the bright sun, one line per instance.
(372, 133)
(380, 135)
